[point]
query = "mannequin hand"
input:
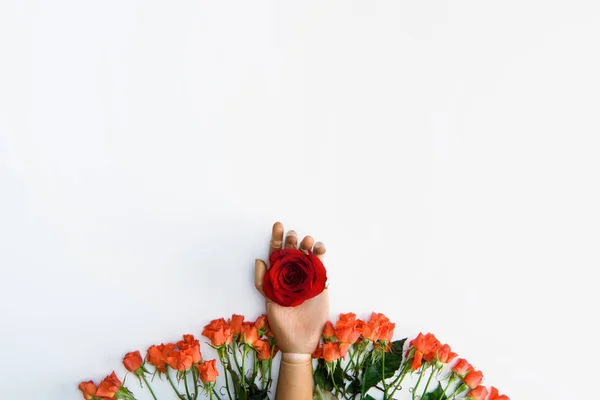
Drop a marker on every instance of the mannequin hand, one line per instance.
(296, 329)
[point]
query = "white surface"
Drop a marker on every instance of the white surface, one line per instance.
(445, 152)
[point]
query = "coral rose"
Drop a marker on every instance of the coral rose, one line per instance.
(462, 367)
(294, 277)
(445, 355)
(249, 335)
(219, 332)
(236, 324)
(133, 361)
(328, 331)
(331, 351)
(157, 355)
(109, 386)
(495, 396)
(261, 323)
(179, 360)
(478, 393)
(425, 347)
(190, 346)
(318, 353)
(208, 371)
(473, 379)
(88, 389)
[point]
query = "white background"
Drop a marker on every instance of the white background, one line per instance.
(445, 152)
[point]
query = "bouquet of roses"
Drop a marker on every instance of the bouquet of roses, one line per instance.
(354, 359)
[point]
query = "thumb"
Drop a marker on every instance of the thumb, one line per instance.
(260, 268)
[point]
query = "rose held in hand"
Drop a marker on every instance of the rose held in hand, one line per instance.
(294, 277)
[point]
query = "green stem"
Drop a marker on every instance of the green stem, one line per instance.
(173, 386)
(350, 361)
(383, 373)
(245, 352)
(455, 391)
(224, 363)
(452, 379)
(418, 381)
(185, 383)
(195, 374)
(400, 377)
(148, 385)
(234, 354)
(255, 370)
(213, 391)
(433, 371)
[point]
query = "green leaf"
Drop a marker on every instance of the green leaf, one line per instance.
(320, 394)
(369, 397)
(374, 374)
(322, 377)
(437, 394)
(354, 386)
(237, 384)
(338, 375)
(257, 394)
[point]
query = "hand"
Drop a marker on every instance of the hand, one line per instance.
(296, 329)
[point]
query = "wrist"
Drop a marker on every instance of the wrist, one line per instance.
(296, 358)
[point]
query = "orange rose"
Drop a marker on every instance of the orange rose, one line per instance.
(348, 329)
(462, 367)
(445, 355)
(387, 331)
(236, 324)
(328, 331)
(191, 347)
(88, 389)
(343, 349)
(179, 360)
(318, 353)
(249, 334)
(261, 322)
(109, 386)
(425, 346)
(208, 371)
(133, 361)
(417, 361)
(263, 349)
(473, 379)
(157, 355)
(372, 330)
(495, 396)
(219, 332)
(331, 351)
(478, 393)
(349, 317)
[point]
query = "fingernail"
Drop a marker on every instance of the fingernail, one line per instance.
(318, 245)
(292, 232)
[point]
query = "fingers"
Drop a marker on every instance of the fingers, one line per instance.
(306, 244)
(291, 240)
(276, 237)
(260, 268)
(319, 250)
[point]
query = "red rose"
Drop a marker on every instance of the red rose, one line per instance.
(294, 277)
